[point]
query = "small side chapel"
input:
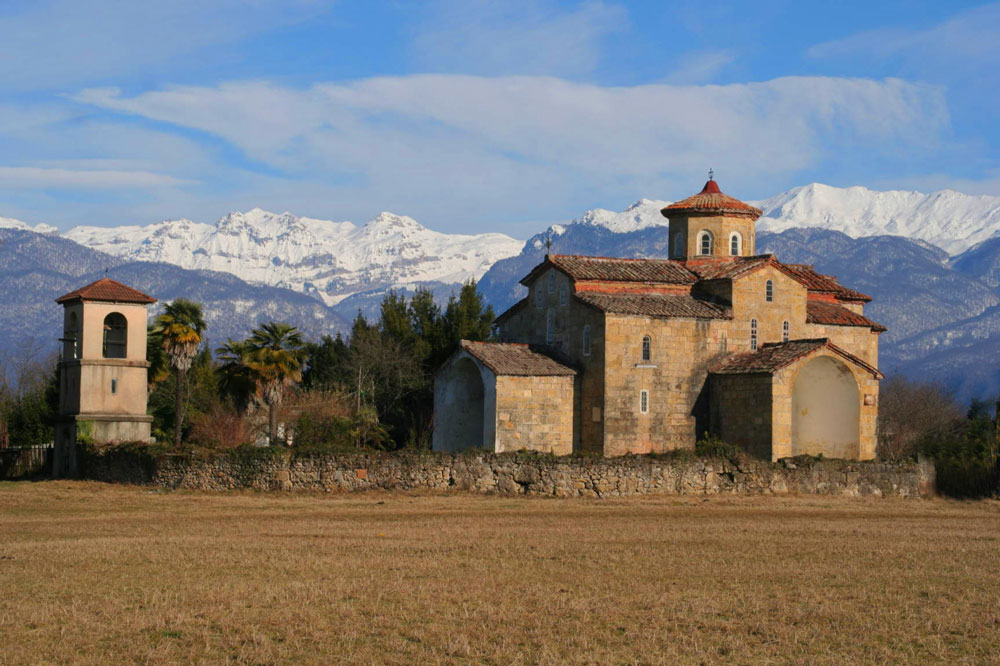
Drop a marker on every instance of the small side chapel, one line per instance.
(614, 356)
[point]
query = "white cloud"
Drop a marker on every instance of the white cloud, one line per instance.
(42, 177)
(464, 148)
(515, 37)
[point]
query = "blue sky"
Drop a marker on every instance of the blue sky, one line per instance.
(481, 116)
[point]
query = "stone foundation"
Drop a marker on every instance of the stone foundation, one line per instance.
(514, 474)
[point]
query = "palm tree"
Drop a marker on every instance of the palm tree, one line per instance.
(276, 353)
(179, 326)
(236, 379)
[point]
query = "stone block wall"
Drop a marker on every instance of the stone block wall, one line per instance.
(534, 413)
(516, 474)
(741, 412)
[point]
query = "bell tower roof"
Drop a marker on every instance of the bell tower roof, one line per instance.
(107, 290)
(711, 201)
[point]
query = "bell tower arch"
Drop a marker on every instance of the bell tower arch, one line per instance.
(102, 369)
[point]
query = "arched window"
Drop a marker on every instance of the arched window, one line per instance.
(768, 291)
(735, 244)
(679, 245)
(647, 344)
(705, 242)
(563, 293)
(550, 327)
(644, 401)
(538, 295)
(586, 340)
(552, 283)
(115, 334)
(785, 331)
(753, 334)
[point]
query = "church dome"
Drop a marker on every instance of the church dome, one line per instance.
(711, 201)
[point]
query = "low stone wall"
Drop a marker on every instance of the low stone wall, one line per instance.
(515, 474)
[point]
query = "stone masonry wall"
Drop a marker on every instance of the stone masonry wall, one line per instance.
(534, 413)
(520, 474)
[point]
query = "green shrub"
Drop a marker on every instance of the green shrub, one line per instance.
(710, 446)
(330, 434)
(965, 457)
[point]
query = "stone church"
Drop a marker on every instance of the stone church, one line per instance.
(613, 356)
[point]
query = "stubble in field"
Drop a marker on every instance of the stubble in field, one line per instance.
(93, 573)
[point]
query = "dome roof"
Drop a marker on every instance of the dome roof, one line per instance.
(711, 201)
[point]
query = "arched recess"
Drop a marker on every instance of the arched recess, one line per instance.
(462, 420)
(115, 335)
(826, 411)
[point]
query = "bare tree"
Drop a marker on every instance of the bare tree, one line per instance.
(909, 412)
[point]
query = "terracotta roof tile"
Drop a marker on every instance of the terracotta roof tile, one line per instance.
(818, 312)
(711, 201)
(813, 281)
(107, 289)
(774, 356)
(727, 268)
(655, 305)
(609, 269)
(508, 358)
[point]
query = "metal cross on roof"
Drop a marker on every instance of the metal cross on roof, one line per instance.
(711, 174)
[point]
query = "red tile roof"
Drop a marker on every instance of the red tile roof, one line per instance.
(711, 201)
(106, 289)
(728, 268)
(776, 355)
(609, 269)
(817, 282)
(655, 305)
(819, 312)
(509, 358)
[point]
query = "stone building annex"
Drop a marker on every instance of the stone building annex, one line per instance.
(613, 356)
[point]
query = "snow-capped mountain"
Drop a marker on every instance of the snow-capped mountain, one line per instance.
(950, 220)
(331, 260)
(11, 223)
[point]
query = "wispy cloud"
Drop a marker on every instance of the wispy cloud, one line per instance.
(969, 38)
(700, 66)
(516, 37)
(39, 177)
(51, 43)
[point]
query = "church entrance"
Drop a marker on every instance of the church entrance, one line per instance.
(463, 418)
(826, 412)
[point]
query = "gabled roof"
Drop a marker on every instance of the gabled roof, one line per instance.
(609, 269)
(728, 268)
(819, 312)
(109, 290)
(509, 358)
(817, 282)
(711, 201)
(774, 356)
(655, 305)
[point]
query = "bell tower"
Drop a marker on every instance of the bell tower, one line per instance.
(711, 224)
(102, 369)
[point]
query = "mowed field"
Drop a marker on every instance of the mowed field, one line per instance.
(93, 573)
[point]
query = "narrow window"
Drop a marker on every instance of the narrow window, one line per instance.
(646, 345)
(115, 335)
(768, 291)
(550, 327)
(552, 283)
(785, 330)
(586, 340)
(563, 293)
(734, 245)
(705, 242)
(538, 295)
(753, 334)
(644, 401)
(114, 386)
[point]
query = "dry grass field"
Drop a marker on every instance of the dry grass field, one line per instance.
(93, 573)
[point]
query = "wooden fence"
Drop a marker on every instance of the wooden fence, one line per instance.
(25, 462)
